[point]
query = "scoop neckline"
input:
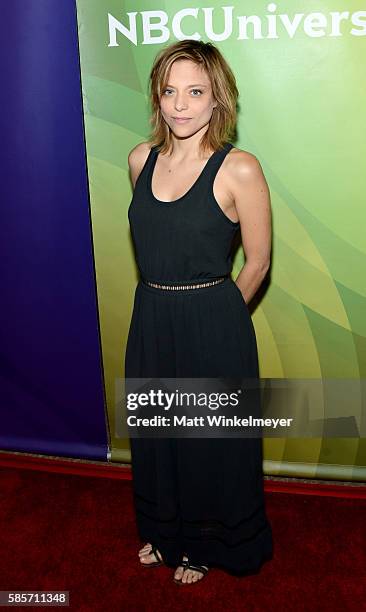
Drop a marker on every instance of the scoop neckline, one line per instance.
(172, 202)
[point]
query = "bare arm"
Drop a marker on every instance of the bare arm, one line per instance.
(253, 205)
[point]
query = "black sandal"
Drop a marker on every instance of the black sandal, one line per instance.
(154, 551)
(197, 568)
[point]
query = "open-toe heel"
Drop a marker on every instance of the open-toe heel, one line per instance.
(196, 568)
(159, 561)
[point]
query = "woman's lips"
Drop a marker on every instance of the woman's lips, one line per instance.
(181, 120)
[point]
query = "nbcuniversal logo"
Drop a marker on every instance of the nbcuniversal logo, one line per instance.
(156, 27)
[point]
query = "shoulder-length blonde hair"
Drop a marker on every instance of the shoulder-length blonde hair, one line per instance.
(224, 90)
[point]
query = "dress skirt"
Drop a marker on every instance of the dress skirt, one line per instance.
(199, 496)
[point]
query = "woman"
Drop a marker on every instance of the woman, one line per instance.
(199, 502)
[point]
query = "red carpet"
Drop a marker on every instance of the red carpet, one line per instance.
(77, 533)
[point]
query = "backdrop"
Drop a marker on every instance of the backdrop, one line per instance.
(51, 381)
(300, 72)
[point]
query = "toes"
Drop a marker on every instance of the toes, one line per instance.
(180, 570)
(145, 549)
(144, 553)
(187, 576)
(191, 576)
(148, 557)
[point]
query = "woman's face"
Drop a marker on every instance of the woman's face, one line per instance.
(187, 102)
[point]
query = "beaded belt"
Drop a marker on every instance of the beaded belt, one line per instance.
(180, 287)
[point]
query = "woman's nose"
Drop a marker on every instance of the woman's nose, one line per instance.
(180, 103)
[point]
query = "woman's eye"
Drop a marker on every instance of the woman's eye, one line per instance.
(169, 91)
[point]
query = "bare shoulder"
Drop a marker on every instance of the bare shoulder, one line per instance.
(138, 153)
(137, 158)
(243, 164)
(245, 175)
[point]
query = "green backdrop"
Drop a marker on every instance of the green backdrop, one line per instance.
(300, 73)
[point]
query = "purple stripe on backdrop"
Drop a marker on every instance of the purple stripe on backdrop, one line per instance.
(52, 392)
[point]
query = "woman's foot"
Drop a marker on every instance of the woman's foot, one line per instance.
(147, 557)
(185, 575)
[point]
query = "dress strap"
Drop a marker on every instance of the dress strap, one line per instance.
(210, 203)
(147, 165)
(218, 158)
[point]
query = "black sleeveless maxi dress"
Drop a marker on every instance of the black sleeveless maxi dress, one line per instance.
(203, 497)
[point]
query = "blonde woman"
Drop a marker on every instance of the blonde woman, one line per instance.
(199, 502)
